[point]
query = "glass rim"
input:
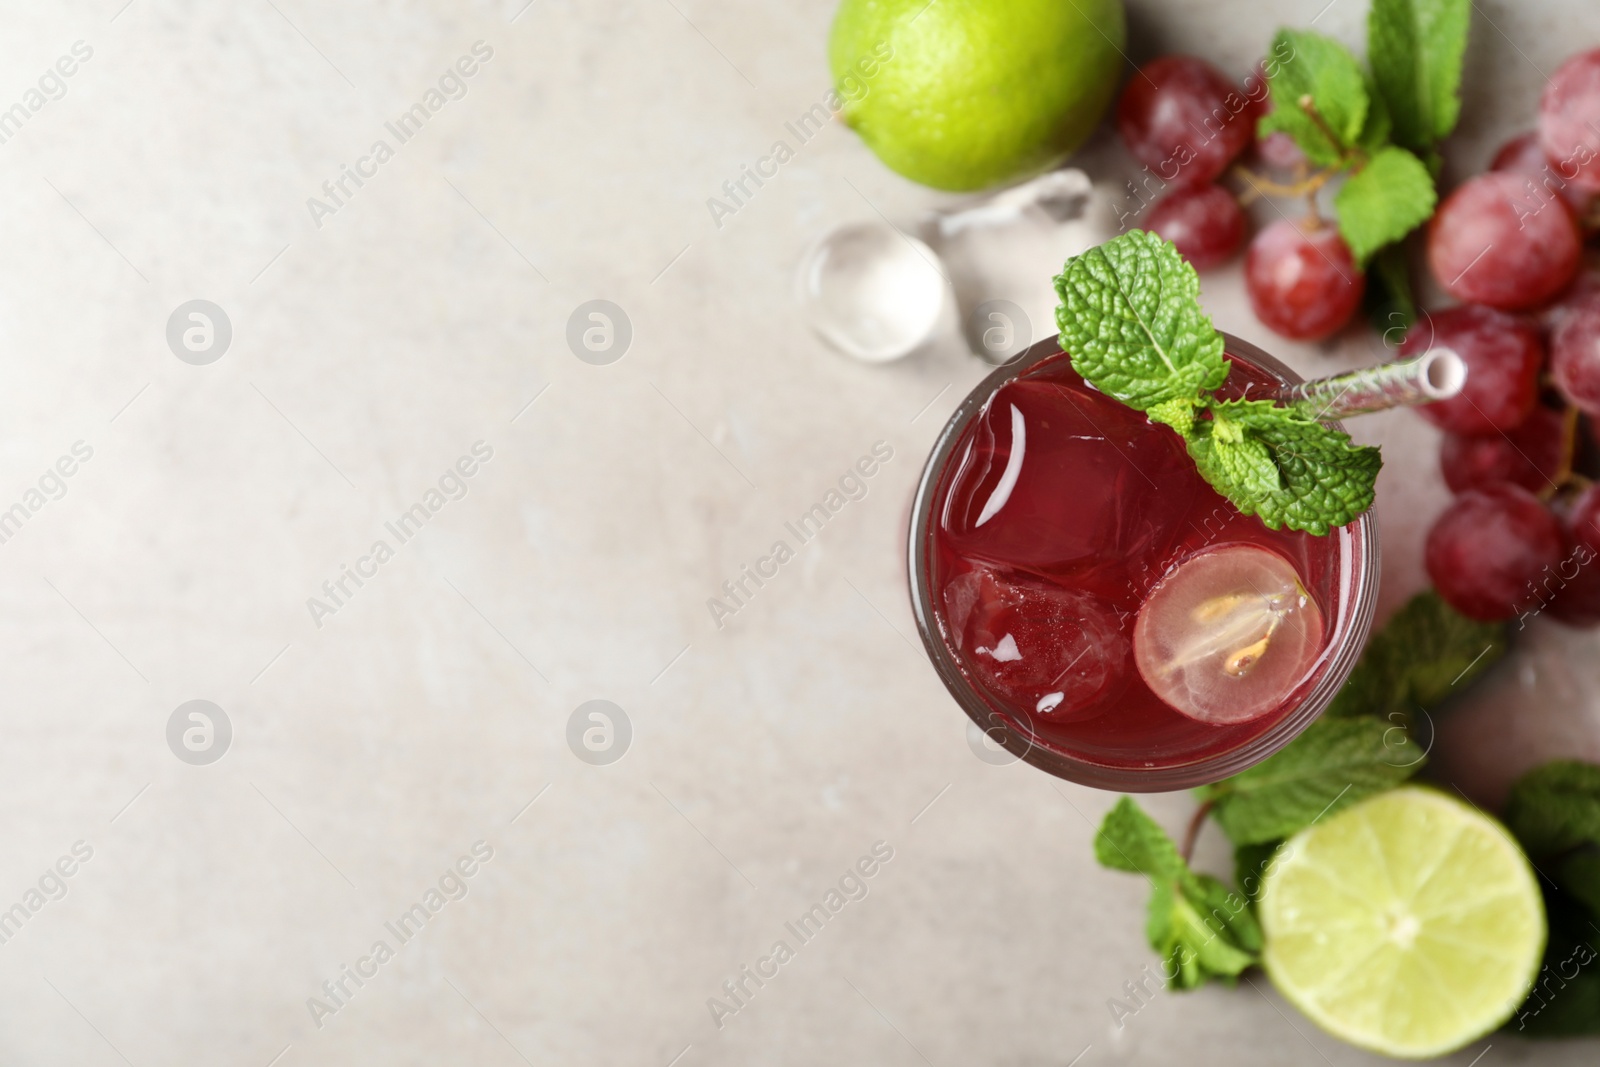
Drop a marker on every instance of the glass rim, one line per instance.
(1082, 771)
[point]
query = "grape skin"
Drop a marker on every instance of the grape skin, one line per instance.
(1491, 548)
(1495, 242)
(1182, 118)
(1206, 224)
(1302, 280)
(1569, 120)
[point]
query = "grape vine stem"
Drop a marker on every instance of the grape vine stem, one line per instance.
(1192, 834)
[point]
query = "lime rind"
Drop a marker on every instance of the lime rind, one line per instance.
(1408, 924)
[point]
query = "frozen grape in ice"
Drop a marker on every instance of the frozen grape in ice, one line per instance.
(1054, 651)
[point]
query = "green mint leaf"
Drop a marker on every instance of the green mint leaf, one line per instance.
(1332, 765)
(1228, 456)
(1178, 413)
(1565, 1001)
(1200, 927)
(1324, 481)
(1391, 305)
(1250, 866)
(1202, 931)
(1130, 840)
(1379, 125)
(1416, 49)
(1131, 319)
(1321, 71)
(1556, 808)
(1383, 201)
(1426, 653)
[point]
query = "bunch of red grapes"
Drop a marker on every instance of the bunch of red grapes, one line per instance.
(1187, 123)
(1522, 535)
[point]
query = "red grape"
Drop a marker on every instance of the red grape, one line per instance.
(1523, 155)
(1205, 223)
(1577, 601)
(1494, 242)
(1575, 355)
(1182, 118)
(1278, 150)
(1302, 280)
(1533, 455)
(1490, 549)
(1503, 354)
(1579, 293)
(1569, 120)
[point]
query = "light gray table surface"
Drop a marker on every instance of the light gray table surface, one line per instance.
(373, 746)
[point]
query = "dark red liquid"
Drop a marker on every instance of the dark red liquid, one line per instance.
(1103, 505)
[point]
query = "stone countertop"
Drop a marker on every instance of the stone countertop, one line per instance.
(395, 721)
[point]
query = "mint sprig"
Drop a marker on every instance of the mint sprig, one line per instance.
(1131, 320)
(1335, 763)
(1416, 48)
(1199, 926)
(1427, 653)
(1554, 812)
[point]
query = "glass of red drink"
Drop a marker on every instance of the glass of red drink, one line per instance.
(1049, 515)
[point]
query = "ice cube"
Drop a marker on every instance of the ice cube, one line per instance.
(1228, 635)
(1004, 249)
(1052, 651)
(1056, 477)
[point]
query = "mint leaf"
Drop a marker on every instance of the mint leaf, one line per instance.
(1321, 72)
(1206, 932)
(1556, 808)
(1565, 1001)
(1391, 306)
(1324, 480)
(1130, 316)
(1554, 812)
(1200, 927)
(1332, 765)
(1130, 840)
(1228, 455)
(1427, 653)
(1383, 201)
(1250, 866)
(1416, 48)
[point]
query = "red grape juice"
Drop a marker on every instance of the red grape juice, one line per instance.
(1037, 568)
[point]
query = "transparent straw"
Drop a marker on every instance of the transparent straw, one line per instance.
(1437, 374)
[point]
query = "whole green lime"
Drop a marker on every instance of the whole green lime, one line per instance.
(964, 94)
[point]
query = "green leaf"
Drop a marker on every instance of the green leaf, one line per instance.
(1416, 49)
(1131, 319)
(1320, 72)
(1554, 811)
(1202, 931)
(1130, 840)
(1427, 653)
(1324, 480)
(1250, 866)
(1556, 808)
(1565, 1001)
(1200, 927)
(1383, 201)
(1228, 455)
(1391, 306)
(1329, 767)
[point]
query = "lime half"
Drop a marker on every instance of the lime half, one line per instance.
(1408, 924)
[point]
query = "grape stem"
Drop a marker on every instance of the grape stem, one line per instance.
(1569, 447)
(1348, 157)
(1192, 834)
(1263, 186)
